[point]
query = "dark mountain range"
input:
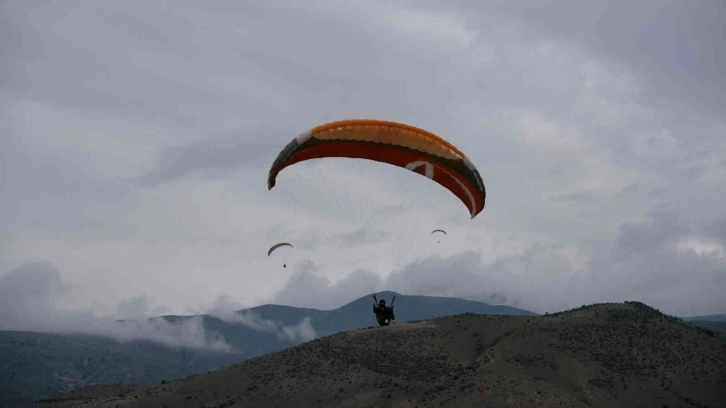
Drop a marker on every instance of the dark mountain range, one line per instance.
(41, 365)
(707, 318)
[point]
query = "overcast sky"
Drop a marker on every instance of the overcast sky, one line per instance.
(136, 137)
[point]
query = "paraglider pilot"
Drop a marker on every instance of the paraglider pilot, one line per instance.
(384, 314)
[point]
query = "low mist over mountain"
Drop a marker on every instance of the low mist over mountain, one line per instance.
(625, 355)
(41, 365)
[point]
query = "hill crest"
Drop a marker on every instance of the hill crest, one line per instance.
(618, 354)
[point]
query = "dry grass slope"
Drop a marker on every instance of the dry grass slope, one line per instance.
(606, 355)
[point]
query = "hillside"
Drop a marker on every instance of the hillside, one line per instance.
(606, 355)
(41, 365)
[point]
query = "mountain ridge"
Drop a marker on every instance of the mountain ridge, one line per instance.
(614, 354)
(80, 359)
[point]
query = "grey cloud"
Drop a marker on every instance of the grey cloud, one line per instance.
(360, 236)
(306, 288)
(80, 82)
(223, 304)
(456, 276)
(241, 150)
(167, 78)
(663, 228)
(498, 298)
(309, 240)
(642, 263)
(677, 281)
(645, 263)
(301, 332)
(189, 333)
(461, 275)
(226, 309)
(133, 308)
(717, 229)
(569, 101)
(633, 188)
(577, 197)
(672, 44)
(639, 95)
(658, 192)
(139, 307)
(28, 295)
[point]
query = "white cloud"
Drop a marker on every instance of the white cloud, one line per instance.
(30, 295)
(702, 247)
(660, 261)
(446, 28)
(225, 309)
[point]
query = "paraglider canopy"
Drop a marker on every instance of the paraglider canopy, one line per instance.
(401, 145)
(274, 247)
(438, 230)
(395, 145)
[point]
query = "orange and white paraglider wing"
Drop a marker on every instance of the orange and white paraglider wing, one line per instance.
(389, 142)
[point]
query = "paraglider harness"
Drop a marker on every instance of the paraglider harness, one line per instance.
(384, 314)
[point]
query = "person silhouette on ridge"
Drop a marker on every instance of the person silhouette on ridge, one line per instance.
(384, 314)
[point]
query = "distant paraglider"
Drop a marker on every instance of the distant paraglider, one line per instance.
(274, 247)
(438, 230)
